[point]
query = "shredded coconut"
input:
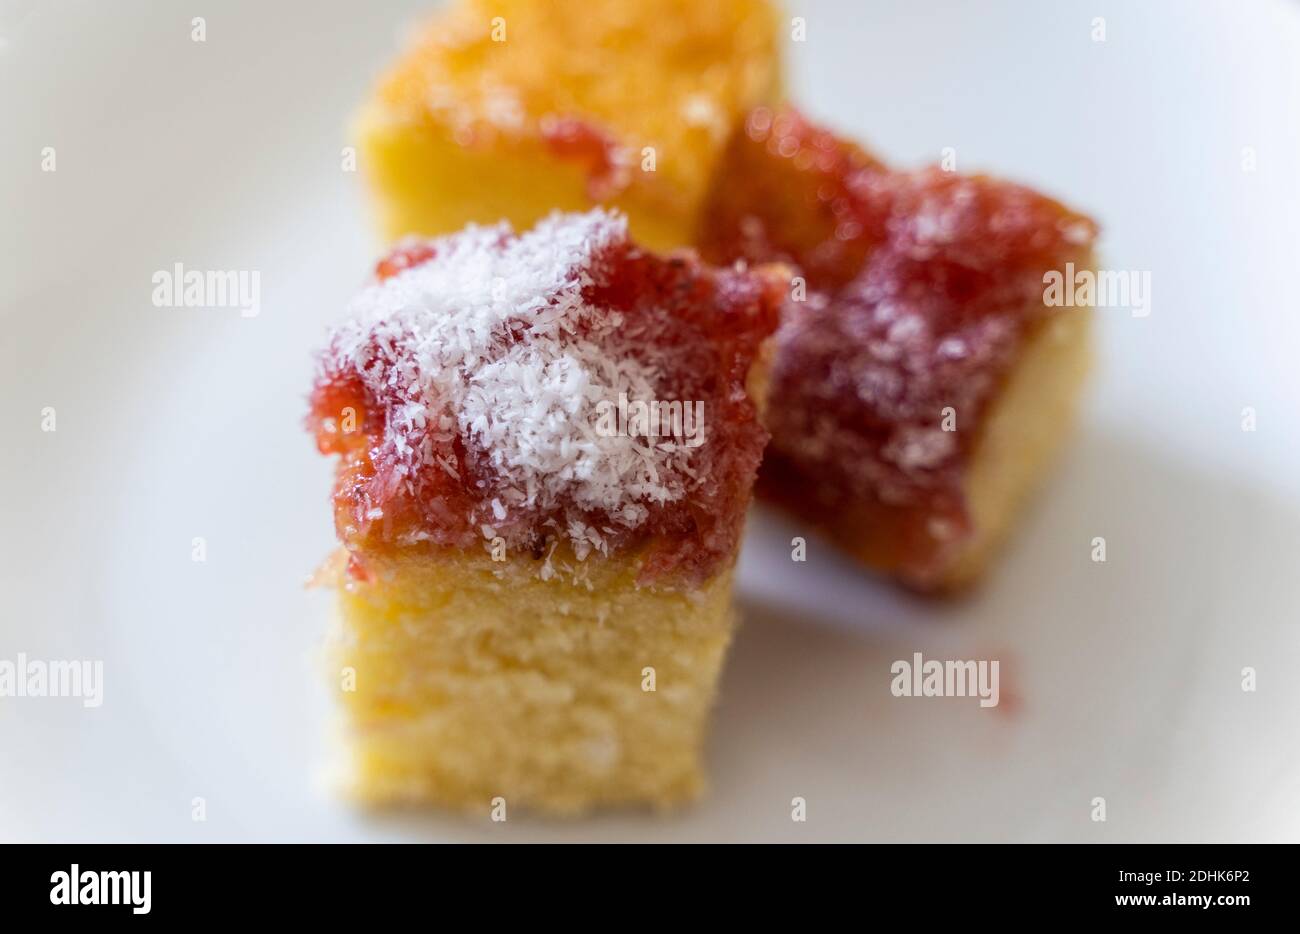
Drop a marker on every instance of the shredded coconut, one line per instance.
(490, 343)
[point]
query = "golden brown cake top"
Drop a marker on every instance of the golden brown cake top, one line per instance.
(922, 288)
(559, 386)
(597, 81)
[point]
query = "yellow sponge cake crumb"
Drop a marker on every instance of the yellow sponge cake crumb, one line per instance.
(477, 680)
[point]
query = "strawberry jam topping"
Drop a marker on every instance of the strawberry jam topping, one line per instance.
(403, 257)
(922, 288)
(411, 470)
(601, 158)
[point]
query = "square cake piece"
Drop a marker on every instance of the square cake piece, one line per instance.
(920, 389)
(507, 110)
(546, 448)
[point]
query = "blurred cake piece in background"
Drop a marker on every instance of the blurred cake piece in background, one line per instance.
(921, 387)
(509, 109)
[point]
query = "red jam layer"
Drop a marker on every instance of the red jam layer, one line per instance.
(922, 288)
(699, 327)
(403, 257)
(601, 159)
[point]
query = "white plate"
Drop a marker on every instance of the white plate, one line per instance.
(174, 424)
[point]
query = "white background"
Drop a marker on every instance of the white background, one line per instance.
(176, 423)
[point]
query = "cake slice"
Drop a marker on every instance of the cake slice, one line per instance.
(546, 449)
(919, 391)
(507, 110)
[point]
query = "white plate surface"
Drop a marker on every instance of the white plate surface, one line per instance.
(181, 423)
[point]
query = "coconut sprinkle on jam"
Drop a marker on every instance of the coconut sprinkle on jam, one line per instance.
(463, 392)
